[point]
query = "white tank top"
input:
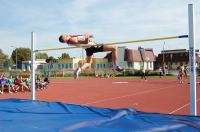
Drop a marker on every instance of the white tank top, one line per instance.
(81, 38)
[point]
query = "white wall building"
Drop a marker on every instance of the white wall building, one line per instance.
(136, 59)
(26, 65)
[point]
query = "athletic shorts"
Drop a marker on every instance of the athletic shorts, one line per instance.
(181, 75)
(94, 49)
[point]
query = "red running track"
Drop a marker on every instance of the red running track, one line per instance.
(160, 95)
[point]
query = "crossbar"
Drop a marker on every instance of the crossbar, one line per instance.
(115, 43)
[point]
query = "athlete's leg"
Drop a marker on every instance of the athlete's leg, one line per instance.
(84, 66)
(114, 53)
(88, 63)
(114, 57)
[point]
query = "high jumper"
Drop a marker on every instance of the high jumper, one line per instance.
(83, 40)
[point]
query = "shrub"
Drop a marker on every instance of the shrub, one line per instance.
(24, 74)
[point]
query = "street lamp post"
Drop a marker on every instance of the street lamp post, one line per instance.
(16, 58)
(15, 55)
(163, 54)
(163, 68)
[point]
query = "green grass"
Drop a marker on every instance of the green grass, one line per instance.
(61, 78)
(71, 78)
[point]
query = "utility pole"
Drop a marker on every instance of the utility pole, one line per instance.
(164, 54)
(15, 55)
(163, 69)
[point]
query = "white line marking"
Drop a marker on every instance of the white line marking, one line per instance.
(186, 105)
(119, 82)
(124, 96)
(61, 82)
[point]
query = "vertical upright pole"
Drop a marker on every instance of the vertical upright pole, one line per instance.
(33, 35)
(192, 59)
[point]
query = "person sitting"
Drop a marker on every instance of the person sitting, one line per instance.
(4, 85)
(7, 86)
(28, 82)
(46, 81)
(20, 84)
(39, 83)
(1, 86)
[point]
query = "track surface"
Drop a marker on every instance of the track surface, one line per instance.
(160, 95)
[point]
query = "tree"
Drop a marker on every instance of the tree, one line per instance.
(4, 59)
(40, 55)
(8, 62)
(65, 56)
(51, 59)
(23, 54)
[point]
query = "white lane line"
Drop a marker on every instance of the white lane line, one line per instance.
(124, 96)
(61, 82)
(186, 105)
(118, 82)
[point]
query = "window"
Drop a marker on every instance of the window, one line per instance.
(147, 65)
(151, 63)
(40, 67)
(130, 64)
(70, 65)
(51, 65)
(59, 66)
(97, 66)
(66, 66)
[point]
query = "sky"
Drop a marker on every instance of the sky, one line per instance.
(107, 20)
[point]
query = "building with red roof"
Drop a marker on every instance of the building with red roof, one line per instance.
(135, 59)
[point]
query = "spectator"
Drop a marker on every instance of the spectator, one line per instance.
(185, 71)
(20, 84)
(4, 85)
(181, 73)
(143, 75)
(28, 82)
(11, 84)
(1, 86)
(39, 84)
(160, 72)
(23, 82)
(46, 81)
(163, 71)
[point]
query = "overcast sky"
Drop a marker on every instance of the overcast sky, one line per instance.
(107, 20)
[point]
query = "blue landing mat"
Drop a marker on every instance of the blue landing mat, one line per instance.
(18, 115)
